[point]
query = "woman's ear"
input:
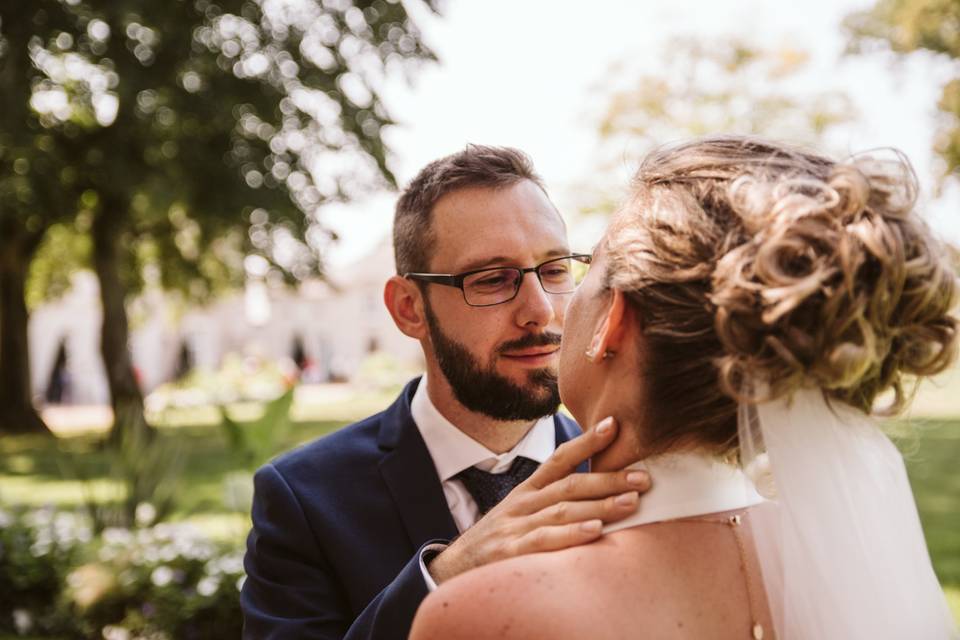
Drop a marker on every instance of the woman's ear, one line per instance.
(404, 301)
(609, 333)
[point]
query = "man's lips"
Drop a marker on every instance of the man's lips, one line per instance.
(532, 353)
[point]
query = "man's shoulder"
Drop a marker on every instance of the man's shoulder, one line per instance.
(349, 446)
(346, 447)
(481, 604)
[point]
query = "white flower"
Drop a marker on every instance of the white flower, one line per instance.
(145, 514)
(113, 632)
(151, 555)
(161, 576)
(41, 517)
(117, 536)
(208, 586)
(5, 519)
(231, 563)
(168, 553)
(22, 620)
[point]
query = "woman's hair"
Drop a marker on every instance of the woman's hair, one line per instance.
(757, 269)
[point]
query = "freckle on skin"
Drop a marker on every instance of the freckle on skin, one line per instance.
(445, 604)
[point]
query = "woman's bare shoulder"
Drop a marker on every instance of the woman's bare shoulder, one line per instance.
(526, 597)
(515, 598)
(631, 579)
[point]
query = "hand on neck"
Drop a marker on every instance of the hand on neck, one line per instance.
(627, 447)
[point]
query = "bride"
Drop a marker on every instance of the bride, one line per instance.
(748, 310)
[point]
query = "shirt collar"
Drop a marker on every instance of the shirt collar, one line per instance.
(453, 451)
(686, 484)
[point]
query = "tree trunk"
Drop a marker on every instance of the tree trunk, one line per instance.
(125, 395)
(17, 413)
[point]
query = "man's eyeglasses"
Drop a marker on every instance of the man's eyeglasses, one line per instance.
(487, 287)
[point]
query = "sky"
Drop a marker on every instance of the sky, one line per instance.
(530, 74)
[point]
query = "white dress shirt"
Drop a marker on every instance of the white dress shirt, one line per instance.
(453, 451)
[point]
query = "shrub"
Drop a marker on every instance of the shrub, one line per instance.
(165, 581)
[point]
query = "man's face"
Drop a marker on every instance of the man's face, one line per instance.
(500, 360)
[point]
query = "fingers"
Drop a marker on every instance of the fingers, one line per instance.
(578, 487)
(558, 537)
(607, 510)
(570, 454)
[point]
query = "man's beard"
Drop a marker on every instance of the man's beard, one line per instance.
(485, 391)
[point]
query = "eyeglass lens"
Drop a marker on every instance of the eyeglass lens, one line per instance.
(493, 286)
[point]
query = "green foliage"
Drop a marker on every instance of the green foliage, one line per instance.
(37, 549)
(165, 581)
(145, 469)
(725, 86)
(705, 87)
(192, 123)
(385, 372)
(192, 133)
(62, 253)
(912, 25)
(259, 440)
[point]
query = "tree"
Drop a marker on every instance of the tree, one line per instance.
(201, 131)
(705, 87)
(912, 25)
(35, 191)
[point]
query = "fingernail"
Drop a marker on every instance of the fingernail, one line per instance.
(638, 478)
(627, 499)
(605, 426)
(591, 526)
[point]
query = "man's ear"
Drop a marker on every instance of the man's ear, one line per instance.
(609, 333)
(404, 301)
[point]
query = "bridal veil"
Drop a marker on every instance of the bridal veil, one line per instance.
(840, 545)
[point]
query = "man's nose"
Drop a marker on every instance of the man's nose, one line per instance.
(534, 305)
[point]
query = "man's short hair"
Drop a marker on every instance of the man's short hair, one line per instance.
(475, 166)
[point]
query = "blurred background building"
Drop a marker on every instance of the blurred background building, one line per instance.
(327, 328)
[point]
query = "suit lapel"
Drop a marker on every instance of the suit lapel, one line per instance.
(411, 477)
(566, 429)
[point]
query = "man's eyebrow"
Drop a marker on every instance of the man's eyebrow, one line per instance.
(503, 261)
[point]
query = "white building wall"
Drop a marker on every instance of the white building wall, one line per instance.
(337, 327)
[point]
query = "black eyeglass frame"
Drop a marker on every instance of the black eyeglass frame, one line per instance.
(456, 280)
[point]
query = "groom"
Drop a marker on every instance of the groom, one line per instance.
(352, 530)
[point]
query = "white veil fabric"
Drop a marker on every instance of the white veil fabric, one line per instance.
(839, 542)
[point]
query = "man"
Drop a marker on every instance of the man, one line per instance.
(351, 531)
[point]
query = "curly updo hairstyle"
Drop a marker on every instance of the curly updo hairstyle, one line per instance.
(757, 269)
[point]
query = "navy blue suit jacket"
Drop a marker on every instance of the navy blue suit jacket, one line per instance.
(338, 526)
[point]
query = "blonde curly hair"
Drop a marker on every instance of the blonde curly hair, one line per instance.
(758, 268)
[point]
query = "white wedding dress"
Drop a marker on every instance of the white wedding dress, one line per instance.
(688, 484)
(832, 516)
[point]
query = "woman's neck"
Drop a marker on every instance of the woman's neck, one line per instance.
(627, 447)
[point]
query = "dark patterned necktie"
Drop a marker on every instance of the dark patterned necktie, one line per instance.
(488, 488)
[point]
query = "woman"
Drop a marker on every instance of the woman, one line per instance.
(748, 308)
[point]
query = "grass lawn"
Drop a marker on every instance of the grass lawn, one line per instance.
(30, 474)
